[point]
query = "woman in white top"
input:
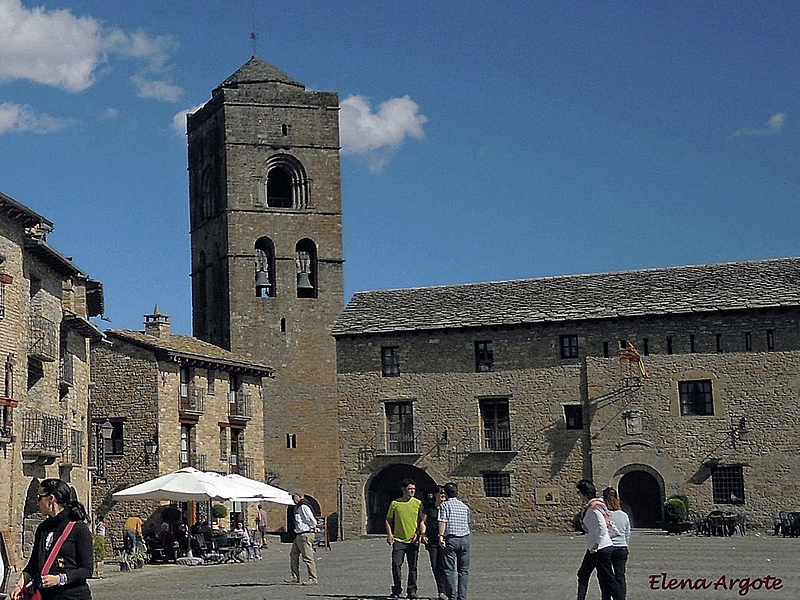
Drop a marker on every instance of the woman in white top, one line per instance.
(619, 541)
(596, 522)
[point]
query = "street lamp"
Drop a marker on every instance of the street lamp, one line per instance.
(104, 433)
(150, 449)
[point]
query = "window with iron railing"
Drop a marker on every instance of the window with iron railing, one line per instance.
(496, 424)
(400, 427)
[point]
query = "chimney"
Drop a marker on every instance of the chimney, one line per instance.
(156, 324)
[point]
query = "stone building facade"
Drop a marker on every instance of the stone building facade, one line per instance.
(45, 337)
(194, 403)
(266, 236)
(667, 381)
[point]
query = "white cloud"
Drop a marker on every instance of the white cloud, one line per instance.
(60, 49)
(159, 90)
(110, 114)
(53, 48)
(19, 117)
(375, 135)
(179, 120)
(774, 126)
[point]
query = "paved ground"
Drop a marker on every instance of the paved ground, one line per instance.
(537, 566)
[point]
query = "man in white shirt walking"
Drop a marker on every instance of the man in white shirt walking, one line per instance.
(305, 526)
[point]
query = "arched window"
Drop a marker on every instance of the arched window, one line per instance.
(306, 264)
(265, 268)
(287, 183)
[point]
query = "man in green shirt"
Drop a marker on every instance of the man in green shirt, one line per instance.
(402, 533)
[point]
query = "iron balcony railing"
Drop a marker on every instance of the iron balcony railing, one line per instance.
(43, 338)
(44, 433)
(240, 405)
(73, 452)
(193, 401)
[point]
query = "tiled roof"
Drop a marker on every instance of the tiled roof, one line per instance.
(183, 347)
(256, 70)
(672, 290)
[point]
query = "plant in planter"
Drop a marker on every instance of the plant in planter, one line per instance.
(99, 543)
(125, 560)
(676, 515)
(219, 511)
(139, 557)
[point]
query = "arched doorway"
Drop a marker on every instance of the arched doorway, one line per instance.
(385, 487)
(640, 492)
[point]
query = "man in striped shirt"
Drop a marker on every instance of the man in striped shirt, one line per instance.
(454, 519)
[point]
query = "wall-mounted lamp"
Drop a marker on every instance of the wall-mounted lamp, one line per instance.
(150, 447)
(738, 431)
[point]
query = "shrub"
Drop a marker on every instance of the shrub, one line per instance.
(676, 509)
(220, 511)
(99, 546)
(171, 514)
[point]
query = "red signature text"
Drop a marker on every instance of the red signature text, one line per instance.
(741, 584)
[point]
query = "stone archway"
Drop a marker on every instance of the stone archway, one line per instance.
(641, 491)
(385, 487)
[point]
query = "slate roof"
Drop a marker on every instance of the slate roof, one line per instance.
(673, 290)
(256, 70)
(189, 350)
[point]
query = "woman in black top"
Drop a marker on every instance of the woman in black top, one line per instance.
(430, 537)
(66, 579)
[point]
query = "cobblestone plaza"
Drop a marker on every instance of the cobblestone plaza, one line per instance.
(502, 566)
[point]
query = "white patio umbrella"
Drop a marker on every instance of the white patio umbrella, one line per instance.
(185, 485)
(189, 484)
(258, 491)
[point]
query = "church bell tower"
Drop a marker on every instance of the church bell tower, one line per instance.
(266, 235)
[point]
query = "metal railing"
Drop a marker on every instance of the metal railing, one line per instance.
(43, 338)
(73, 452)
(43, 432)
(240, 405)
(194, 401)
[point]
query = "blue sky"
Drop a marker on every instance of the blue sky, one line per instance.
(481, 140)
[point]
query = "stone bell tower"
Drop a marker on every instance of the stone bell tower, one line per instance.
(266, 233)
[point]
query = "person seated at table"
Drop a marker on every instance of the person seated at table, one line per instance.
(252, 548)
(169, 544)
(182, 535)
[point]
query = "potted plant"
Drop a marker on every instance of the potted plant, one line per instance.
(99, 543)
(219, 511)
(125, 560)
(139, 557)
(676, 515)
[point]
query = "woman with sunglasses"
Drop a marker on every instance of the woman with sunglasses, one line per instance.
(66, 578)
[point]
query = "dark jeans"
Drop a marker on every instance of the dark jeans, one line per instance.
(400, 550)
(619, 558)
(436, 554)
(601, 561)
(456, 560)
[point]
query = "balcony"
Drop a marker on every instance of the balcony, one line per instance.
(247, 467)
(192, 403)
(240, 406)
(482, 450)
(66, 372)
(73, 454)
(42, 438)
(43, 339)
(386, 448)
